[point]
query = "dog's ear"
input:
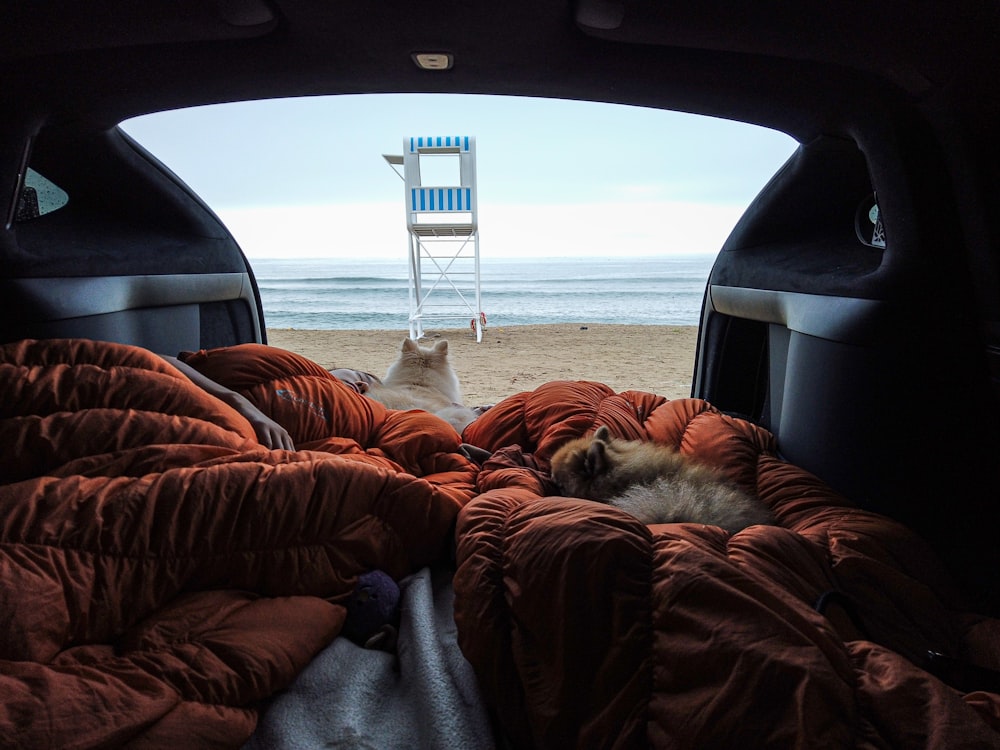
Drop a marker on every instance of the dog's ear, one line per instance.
(596, 460)
(603, 433)
(441, 347)
(409, 345)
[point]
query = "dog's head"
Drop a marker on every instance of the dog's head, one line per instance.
(431, 357)
(582, 467)
(425, 366)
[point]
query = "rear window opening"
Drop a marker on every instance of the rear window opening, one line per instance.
(597, 226)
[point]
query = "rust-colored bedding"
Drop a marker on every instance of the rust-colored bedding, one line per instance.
(587, 629)
(160, 572)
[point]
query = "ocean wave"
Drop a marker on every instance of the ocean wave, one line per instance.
(375, 295)
(332, 281)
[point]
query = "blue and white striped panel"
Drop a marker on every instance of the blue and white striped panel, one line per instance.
(441, 199)
(461, 142)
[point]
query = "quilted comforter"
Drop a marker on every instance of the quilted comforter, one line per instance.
(588, 629)
(162, 574)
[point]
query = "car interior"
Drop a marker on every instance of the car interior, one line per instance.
(853, 312)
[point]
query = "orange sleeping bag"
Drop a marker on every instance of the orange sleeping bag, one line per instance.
(161, 573)
(588, 629)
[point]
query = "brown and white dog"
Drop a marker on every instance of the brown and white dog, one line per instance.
(652, 482)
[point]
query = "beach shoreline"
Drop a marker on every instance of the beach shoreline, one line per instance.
(510, 359)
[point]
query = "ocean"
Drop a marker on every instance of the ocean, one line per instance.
(336, 294)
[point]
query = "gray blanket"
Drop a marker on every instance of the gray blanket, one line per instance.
(425, 696)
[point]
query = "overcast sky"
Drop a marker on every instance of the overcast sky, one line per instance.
(306, 177)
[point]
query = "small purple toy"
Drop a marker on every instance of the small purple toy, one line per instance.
(373, 611)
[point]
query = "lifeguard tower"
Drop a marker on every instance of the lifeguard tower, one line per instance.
(440, 177)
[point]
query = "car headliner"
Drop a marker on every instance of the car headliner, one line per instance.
(804, 68)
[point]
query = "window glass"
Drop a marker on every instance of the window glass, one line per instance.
(40, 196)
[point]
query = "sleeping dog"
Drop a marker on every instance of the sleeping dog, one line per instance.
(652, 482)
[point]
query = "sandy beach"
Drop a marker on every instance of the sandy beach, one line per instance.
(511, 359)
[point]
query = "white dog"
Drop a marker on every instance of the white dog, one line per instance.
(422, 378)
